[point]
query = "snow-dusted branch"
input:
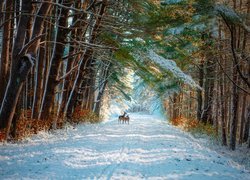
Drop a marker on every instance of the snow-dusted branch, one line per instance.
(170, 66)
(230, 15)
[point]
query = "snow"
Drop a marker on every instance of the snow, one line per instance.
(172, 67)
(145, 98)
(147, 148)
(170, 2)
(230, 15)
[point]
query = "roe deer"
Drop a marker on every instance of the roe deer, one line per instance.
(126, 119)
(121, 117)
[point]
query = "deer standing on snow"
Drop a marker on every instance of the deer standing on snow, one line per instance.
(121, 117)
(126, 119)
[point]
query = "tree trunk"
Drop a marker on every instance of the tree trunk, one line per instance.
(102, 88)
(234, 120)
(1, 10)
(18, 77)
(77, 33)
(85, 61)
(10, 98)
(247, 125)
(79, 82)
(91, 79)
(56, 62)
(175, 106)
(6, 48)
(21, 66)
(40, 81)
(248, 120)
(223, 109)
(243, 118)
(209, 90)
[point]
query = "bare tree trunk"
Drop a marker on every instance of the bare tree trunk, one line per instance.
(102, 83)
(79, 34)
(1, 10)
(234, 120)
(216, 107)
(247, 125)
(209, 90)
(6, 48)
(91, 78)
(78, 81)
(175, 106)
(86, 58)
(223, 108)
(243, 118)
(56, 62)
(246, 135)
(21, 66)
(18, 77)
(40, 81)
(14, 86)
(248, 120)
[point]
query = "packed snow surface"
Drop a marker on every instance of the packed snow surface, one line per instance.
(147, 148)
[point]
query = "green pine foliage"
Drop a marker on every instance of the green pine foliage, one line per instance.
(177, 29)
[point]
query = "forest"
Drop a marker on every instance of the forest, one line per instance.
(63, 60)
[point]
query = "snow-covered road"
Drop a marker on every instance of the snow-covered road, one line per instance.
(147, 148)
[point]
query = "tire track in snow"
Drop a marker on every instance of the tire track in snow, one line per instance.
(147, 148)
(109, 170)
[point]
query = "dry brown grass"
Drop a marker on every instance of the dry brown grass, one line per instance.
(193, 126)
(26, 127)
(85, 116)
(2, 135)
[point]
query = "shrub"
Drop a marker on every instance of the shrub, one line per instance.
(85, 116)
(26, 126)
(194, 126)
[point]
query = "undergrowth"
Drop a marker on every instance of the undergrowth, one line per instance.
(194, 126)
(26, 126)
(85, 116)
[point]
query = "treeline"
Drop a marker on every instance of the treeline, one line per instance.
(222, 72)
(56, 59)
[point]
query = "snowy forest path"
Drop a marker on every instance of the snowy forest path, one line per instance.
(147, 148)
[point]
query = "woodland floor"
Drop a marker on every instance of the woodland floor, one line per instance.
(147, 148)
